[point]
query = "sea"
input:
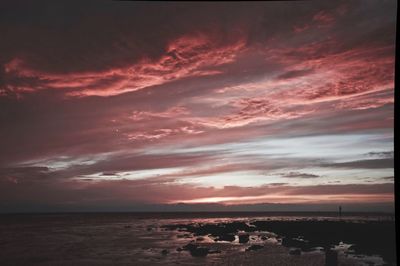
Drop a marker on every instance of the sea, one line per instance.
(147, 239)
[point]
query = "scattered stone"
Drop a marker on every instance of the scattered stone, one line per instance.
(183, 236)
(164, 252)
(226, 237)
(296, 242)
(372, 237)
(352, 247)
(214, 251)
(189, 247)
(215, 230)
(331, 257)
(295, 251)
(244, 238)
(254, 247)
(199, 252)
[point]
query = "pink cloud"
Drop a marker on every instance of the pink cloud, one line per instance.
(323, 17)
(185, 57)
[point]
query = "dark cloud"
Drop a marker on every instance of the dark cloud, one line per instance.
(32, 173)
(136, 192)
(346, 189)
(69, 37)
(299, 175)
(109, 174)
(389, 178)
(366, 164)
(383, 154)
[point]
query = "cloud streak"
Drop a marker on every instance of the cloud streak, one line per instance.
(215, 102)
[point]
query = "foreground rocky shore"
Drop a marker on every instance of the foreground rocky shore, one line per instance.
(131, 239)
(357, 238)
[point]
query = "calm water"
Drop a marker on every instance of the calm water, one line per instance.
(140, 239)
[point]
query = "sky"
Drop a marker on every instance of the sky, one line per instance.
(141, 105)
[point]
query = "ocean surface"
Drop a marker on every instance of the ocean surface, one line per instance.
(214, 238)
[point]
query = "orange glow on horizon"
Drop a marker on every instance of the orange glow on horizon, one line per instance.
(283, 199)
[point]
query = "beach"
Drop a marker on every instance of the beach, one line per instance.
(179, 239)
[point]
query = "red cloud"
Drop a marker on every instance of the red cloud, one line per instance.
(190, 80)
(185, 57)
(323, 17)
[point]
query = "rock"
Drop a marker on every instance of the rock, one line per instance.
(127, 226)
(239, 226)
(226, 237)
(212, 229)
(164, 252)
(189, 247)
(244, 238)
(295, 242)
(316, 233)
(199, 252)
(200, 238)
(214, 251)
(195, 250)
(331, 257)
(264, 238)
(254, 247)
(183, 236)
(352, 247)
(179, 249)
(295, 251)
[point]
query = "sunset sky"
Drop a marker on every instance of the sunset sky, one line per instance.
(119, 104)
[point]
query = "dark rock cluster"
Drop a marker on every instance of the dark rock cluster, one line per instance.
(197, 251)
(368, 238)
(254, 247)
